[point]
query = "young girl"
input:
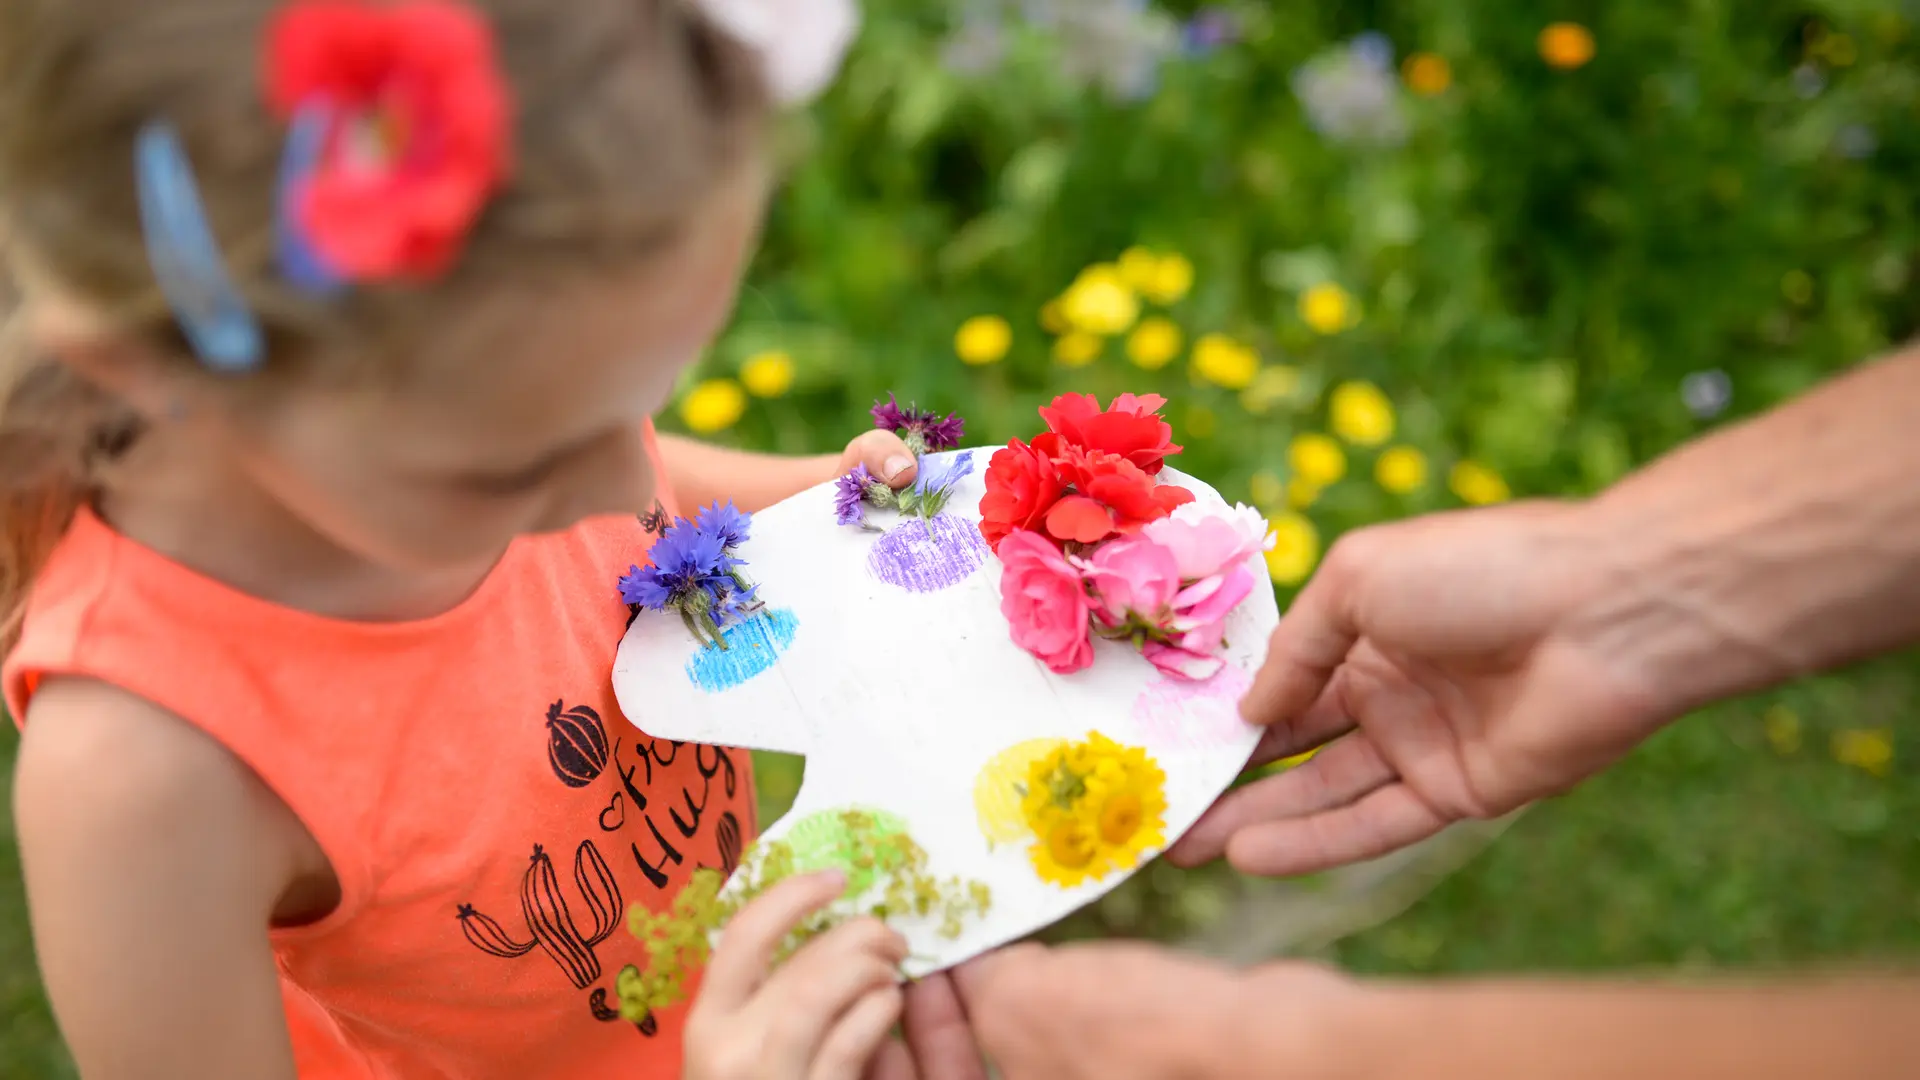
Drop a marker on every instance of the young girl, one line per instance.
(323, 436)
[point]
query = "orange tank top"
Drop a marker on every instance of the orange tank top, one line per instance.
(489, 812)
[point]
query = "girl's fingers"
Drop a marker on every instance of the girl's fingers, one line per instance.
(739, 964)
(858, 1037)
(812, 991)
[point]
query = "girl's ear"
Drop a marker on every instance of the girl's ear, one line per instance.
(145, 381)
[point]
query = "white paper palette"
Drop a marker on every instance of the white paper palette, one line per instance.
(886, 662)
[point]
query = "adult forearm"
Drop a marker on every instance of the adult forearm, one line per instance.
(1786, 545)
(1844, 1029)
(702, 474)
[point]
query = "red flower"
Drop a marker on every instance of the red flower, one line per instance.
(1131, 427)
(1114, 497)
(1022, 485)
(420, 128)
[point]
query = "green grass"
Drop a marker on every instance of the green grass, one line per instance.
(1708, 848)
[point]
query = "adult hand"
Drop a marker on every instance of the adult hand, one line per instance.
(1114, 1011)
(939, 1043)
(1453, 666)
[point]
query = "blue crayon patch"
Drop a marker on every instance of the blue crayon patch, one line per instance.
(752, 647)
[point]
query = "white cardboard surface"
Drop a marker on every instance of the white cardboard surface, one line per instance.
(897, 698)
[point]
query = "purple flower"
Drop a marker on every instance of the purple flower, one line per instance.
(929, 429)
(1210, 28)
(693, 571)
(850, 496)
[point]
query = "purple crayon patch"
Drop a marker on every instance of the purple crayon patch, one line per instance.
(1199, 715)
(927, 556)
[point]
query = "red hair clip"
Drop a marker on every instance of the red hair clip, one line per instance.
(401, 126)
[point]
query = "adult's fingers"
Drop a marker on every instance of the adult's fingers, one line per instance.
(1313, 637)
(1324, 721)
(893, 1061)
(857, 1037)
(739, 964)
(837, 968)
(1346, 770)
(1387, 820)
(938, 1032)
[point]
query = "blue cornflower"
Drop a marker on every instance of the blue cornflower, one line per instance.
(936, 479)
(694, 571)
(726, 523)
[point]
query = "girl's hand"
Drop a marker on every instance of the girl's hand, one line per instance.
(822, 1016)
(884, 454)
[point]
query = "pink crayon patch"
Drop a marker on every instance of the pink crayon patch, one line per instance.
(1176, 713)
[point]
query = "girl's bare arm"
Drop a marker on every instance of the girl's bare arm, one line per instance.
(153, 861)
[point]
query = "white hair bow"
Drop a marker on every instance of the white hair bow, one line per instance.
(800, 42)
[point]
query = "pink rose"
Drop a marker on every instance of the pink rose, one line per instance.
(1198, 628)
(1045, 602)
(1207, 541)
(1132, 578)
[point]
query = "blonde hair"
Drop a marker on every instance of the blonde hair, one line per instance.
(629, 113)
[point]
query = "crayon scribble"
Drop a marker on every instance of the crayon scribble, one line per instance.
(752, 647)
(922, 556)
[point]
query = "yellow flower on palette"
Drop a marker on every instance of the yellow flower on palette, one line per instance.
(1224, 362)
(1478, 485)
(1100, 302)
(1316, 459)
(1093, 807)
(1426, 74)
(1171, 280)
(1870, 750)
(1154, 343)
(1077, 348)
(1295, 551)
(713, 406)
(1566, 45)
(1328, 309)
(767, 374)
(1401, 470)
(983, 339)
(1359, 413)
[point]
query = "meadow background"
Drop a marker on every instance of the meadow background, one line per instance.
(1381, 259)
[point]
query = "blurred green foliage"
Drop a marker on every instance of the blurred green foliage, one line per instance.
(1721, 200)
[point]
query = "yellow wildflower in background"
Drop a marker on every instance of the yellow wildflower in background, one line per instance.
(1171, 281)
(1783, 730)
(1302, 493)
(1359, 413)
(1266, 490)
(1870, 750)
(1797, 287)
(713, 406)
(1477, 484)
(1316, 459)
(1328, 309)
(1401, 470)
(1052, 319)
(983, 339)
(1222, 361)
(1275, 383)
(1093, 807)
(1137, 265)
(1566, 45)
(1077, 348)
(1200, 421)
(1154, 343)
(1295, 551)
(1100, 301)
(1426, 74)
(767, 374)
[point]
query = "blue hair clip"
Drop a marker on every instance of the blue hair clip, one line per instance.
(300, 264)
(186, 259)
